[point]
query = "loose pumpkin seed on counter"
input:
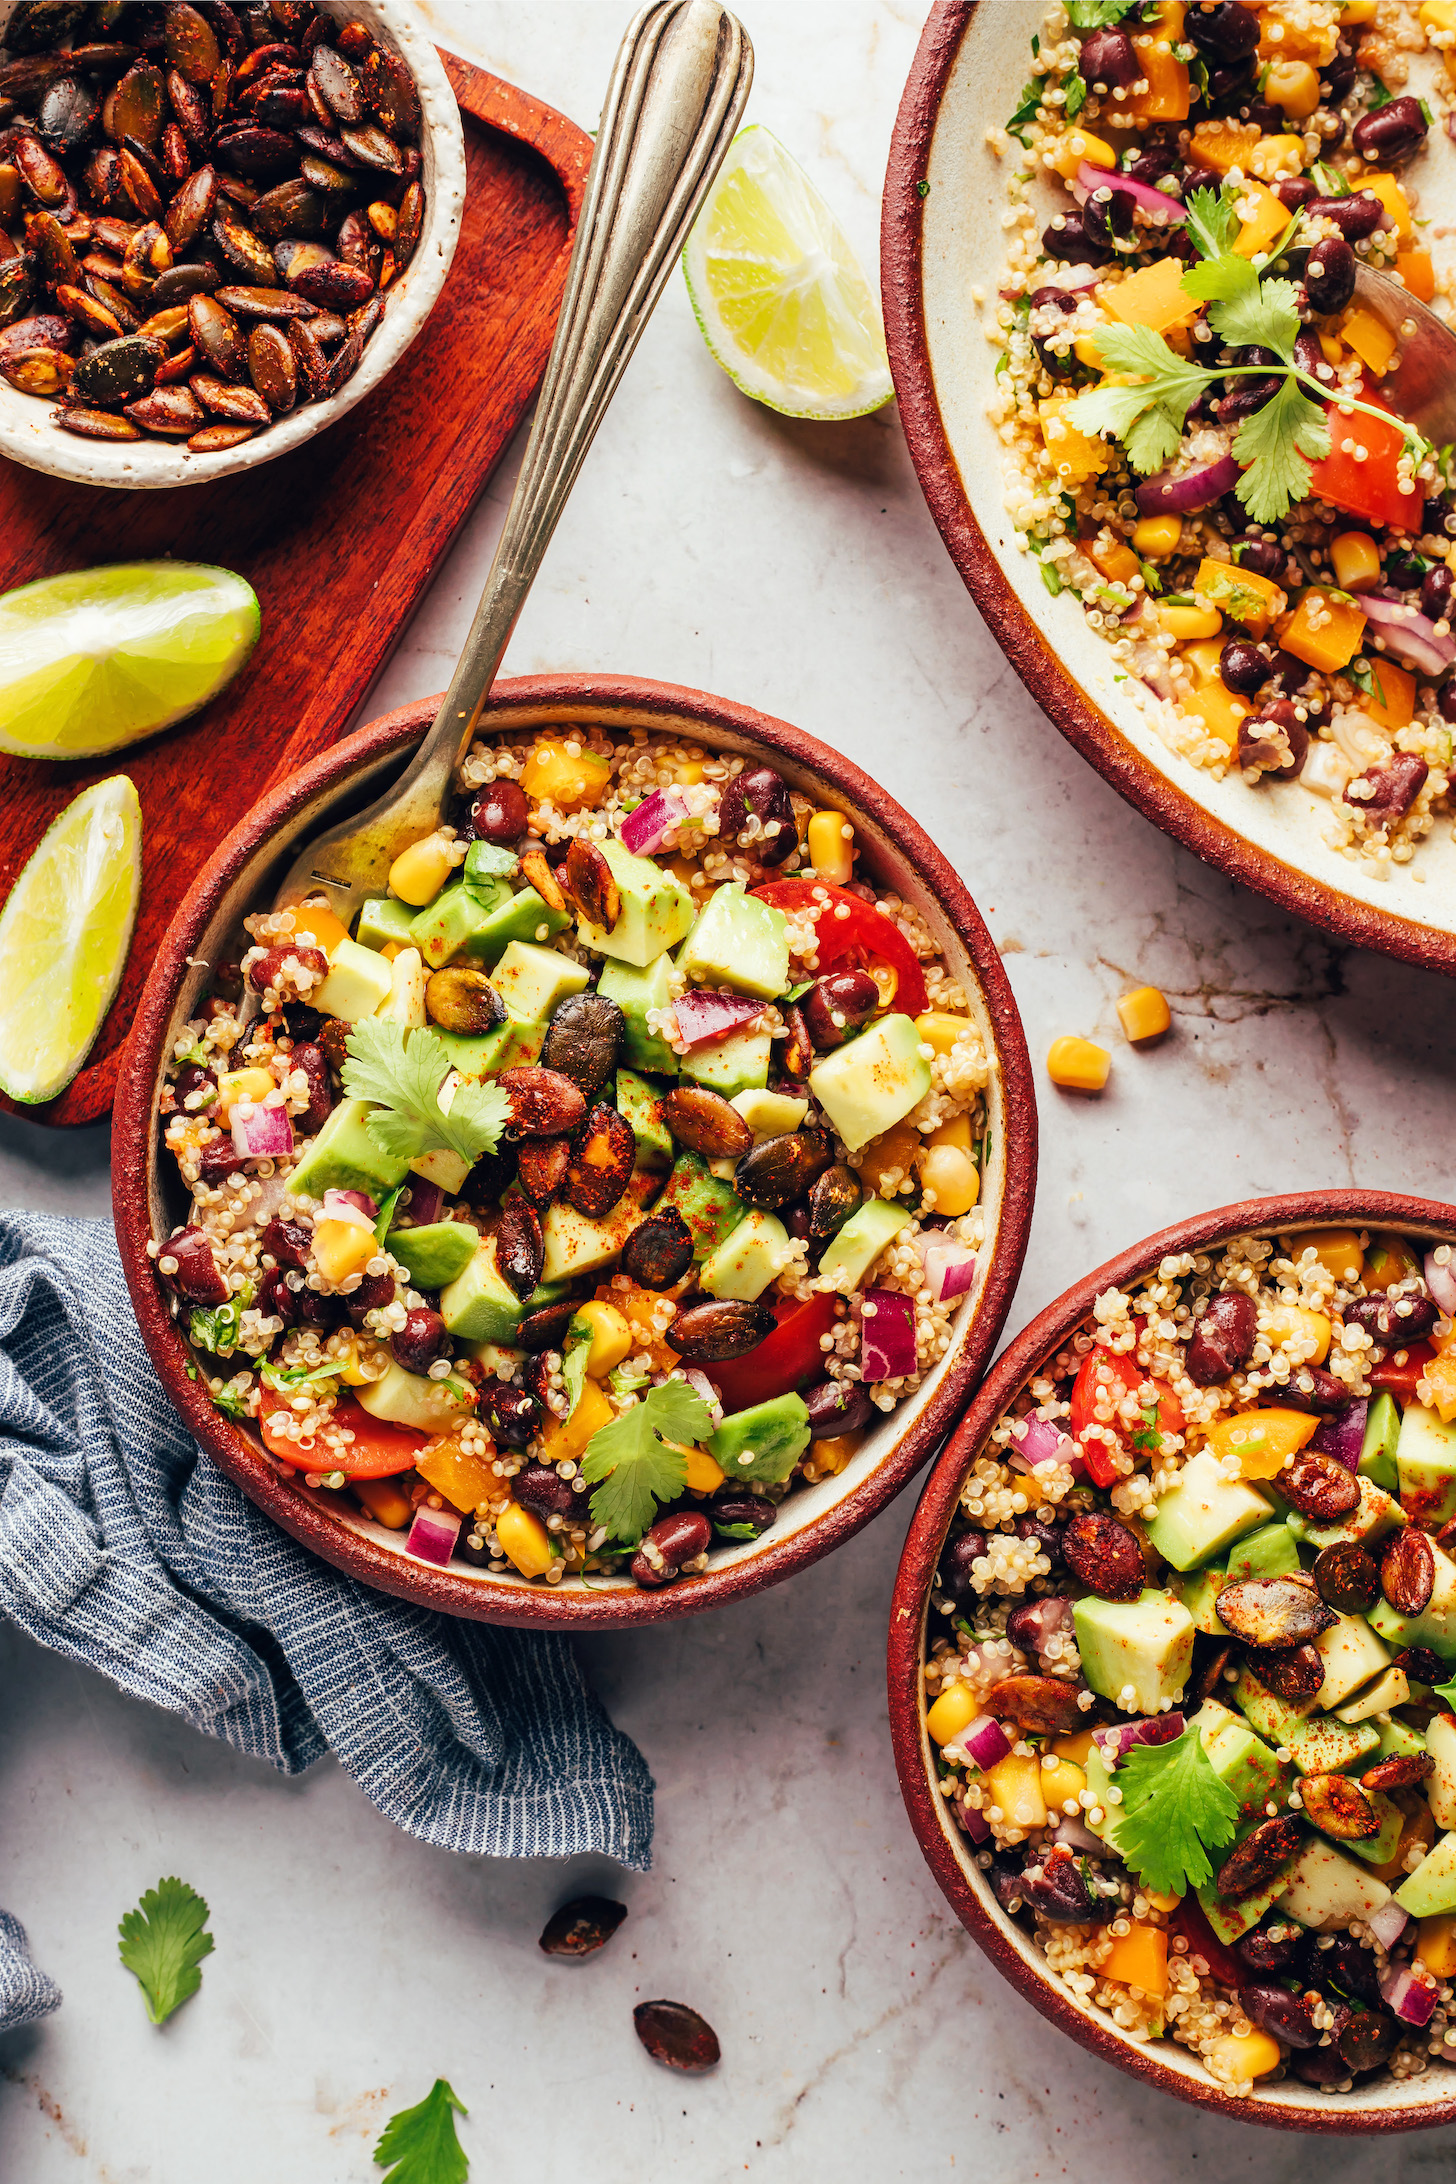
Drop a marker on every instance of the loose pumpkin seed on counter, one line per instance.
(603, 1186)
(202, 210)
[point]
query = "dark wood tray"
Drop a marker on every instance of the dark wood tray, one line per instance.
(339, 538)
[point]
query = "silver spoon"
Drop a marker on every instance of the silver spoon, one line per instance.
(1422, 387)
(675, 100)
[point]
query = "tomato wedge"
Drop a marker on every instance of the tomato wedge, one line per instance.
(784, 1360)
(1121, 1376)
(853, 931)
(377, 1451)
(1400, 1380)
(1189, 1921)
(1368, 488)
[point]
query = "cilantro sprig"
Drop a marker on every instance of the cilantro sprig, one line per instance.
(162, 1942)
(1097, 14)
(421, 2145)
(402, 1071)
(1176, 1813)
(630, 1463)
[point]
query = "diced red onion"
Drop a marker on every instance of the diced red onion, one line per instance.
(261, 1132)
(426, 1199)
(1406, 1995)
(1343, 1436)
(704, 1017)
(1078, 1838)
(703, 1386)
(433, 1534)
(351, 1206)
(1409, 636)
(950, 1270)
(1441, 1281)
(1040, 1440)
(1166, 495)
(1163, 210)
(1115, 1744)
(1388, 1923)
(887, 1336)
(1043, 1620)
(982, 1744)
(657, 816)
(973, 1820)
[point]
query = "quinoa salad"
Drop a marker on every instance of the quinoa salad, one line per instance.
(1191, 1663)
(1189, 389)
(605, 1185)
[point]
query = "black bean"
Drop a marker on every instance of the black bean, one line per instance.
(839, 1406)
(541, 1489)
(373, 1293)
(732, 1515)
(420, 1341)
(837, 1005)
(1230, 31)
(1392, 133)
(1264, 558)
(1436, 593)
(1067, 240)
(1108, 58)
(1290, 2017)
(1294, 191)
(1223, 1338)
(512, 1414)
(1356, 216)
(955, 1566)
(1398, 1319)
(1329, 274)
(1244, 665)
(760, 793)
(1107, 216)
(673, 1540)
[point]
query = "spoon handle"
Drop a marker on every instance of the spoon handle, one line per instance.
(674, 102)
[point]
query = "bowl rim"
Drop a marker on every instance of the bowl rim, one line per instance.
(523, 700)
(1076, 715)
(28, 436)
(1309, 2110)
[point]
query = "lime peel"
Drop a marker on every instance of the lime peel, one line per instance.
(778, 293)
(65, 932)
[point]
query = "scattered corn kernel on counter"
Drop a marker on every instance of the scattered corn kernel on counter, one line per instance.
(1190, 394)
(601, 1186)
(1194, 1699)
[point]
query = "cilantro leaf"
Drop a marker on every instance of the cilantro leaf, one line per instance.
(1273, 443)
(402, 1072)
(1223, 277)
(1260, 315)
(162, 1943)
(1446, 1691)
(421, 2145)
(1379, 96)
(1148, 419)
(1212, 223)
(1328, 180)
(574, 1353)
(1097, 14)
(631, 1465)
(1175, 1812)
(1031, 98)
(1075, 87)
(1365, 676)
(231, 1402)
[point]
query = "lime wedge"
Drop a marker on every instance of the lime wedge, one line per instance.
(64, 933)
(98, 658)
(778, 292)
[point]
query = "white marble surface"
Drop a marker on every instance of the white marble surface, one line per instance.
(795, 567)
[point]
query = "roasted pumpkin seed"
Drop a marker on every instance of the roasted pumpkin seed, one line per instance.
(119, 371)
(782, 1168)
(584, 1039)
(520, 1246)
(659, 1250)
(175, 412)
(706, 1123)
(244, 405)
(215, 439)
(272, 368)
(590, 883)
(543, 1102)
(218, 337)
(542, 1166)
(726, 1327)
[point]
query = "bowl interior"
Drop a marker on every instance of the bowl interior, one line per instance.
(903, 1439)
(27, 432)
(964, 251)
(1417, 2102)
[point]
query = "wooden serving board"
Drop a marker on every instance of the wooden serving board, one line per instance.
(339, 538)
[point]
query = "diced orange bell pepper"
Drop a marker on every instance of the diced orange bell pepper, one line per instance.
(1169, 93)
(1015, 1785)
(465, 1481)
(1253, 601)
(1079, 145)
(317, 918)
(1389, 1260)
(1291, 31)
(1222, 144)
(1436, 1947)
(1418, 273)
(1394, 704)
(1219, 710)
(1441, 1380)
(1154, 297)
(1338, 1251)
(1139, 1958)
(1262, 1440)
(1075, 455)
(1265, 217)
(1395, 201)
(1370, 338)
(1110, 557)
(1325, 633)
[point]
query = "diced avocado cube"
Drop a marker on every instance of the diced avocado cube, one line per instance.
(1326, 1890)
(511, 1045)
(435, 1253)
(764, 1442)
(1376, 1514)
(344, 1157)
(522, 916)
(870, 1083)
(749, 1258)
(1398, 1740)
(1254, 1773)
(410, 1399)
(1204, 1513)
(487, 862)
(639, 1102)
(738, 941)
(1099, 1782)
(770, 1114)
(1199, 1590)
(1230, 1916)
(439, 1165)
(657, 910)
(635, 992)
(1431, 1889)
(480, 1304)
(384, 918)
(533, 981)
(1135, 1652)
(1441, 1787)
(1388, 1690)
(1273, 1717)
(736, 1064)
(1378, 1850)
(359, 979)
(576, 1245)
(709, 1205)
(1352, 1654)
(500, 1359)
(1425, 1462)
(1377, 1450)
(849, 1255)
(1323, 1745)
(1272, 1551)
(450, 924)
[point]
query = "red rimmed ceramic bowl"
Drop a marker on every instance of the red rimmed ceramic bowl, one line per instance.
(942, 244)
(1414, 2104)
(148, 1200)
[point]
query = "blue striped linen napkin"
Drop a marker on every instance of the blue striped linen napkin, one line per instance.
(122, 1547)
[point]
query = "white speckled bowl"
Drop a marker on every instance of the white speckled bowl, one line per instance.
(942, 238)
(27, 432)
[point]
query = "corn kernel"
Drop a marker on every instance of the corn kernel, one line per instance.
(704, 1474)
(1292, 86)
(351, 1371)
(830, 1455)
(939, 1030)
(419, 872)
(524, 1540)
(1144, 1013)
(953, 1711)
(1235, 2057)
(1362, 11)
(1197, 621)
(831, 847)
(241, 1084)
(1156, 538)
(342, 1248)
(1077, 1065)
(1284, 1320)
(1062, 1781)
(953, 1177)
(386, 1502)
(567, 1437)
(611, 1337)
(1356, 560)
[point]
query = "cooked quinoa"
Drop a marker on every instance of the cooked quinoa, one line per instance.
(1217, 1531)
(740, 1125)
(1314, 644)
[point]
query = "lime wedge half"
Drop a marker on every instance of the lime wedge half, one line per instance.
(95, 659)
(778, 292)
(64, 934)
